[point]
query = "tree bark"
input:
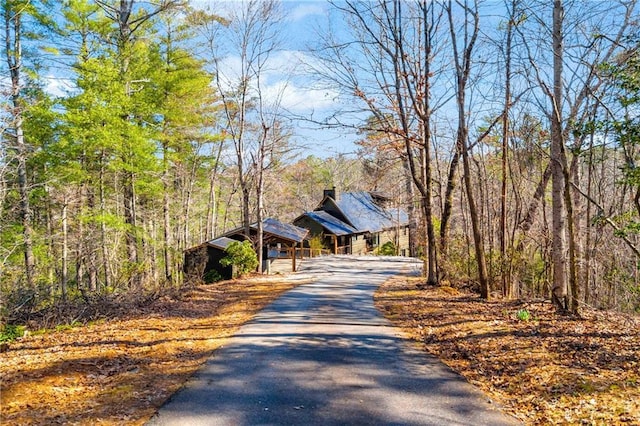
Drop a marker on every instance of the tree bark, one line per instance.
(508, 289)
(559, 288)
(166, 223)
(64, 273)
(103, 225)
(447, 208)
(463, 69)
(13, 50)
(411, 209)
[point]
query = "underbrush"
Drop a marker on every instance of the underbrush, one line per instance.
(20, 313)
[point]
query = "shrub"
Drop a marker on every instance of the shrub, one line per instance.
(523, 315)
(315, 244)
(242, 256)
(212, 276)
(388, 249)
(11, 332)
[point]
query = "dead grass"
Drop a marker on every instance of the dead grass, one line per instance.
(550, 369)
(120, 371)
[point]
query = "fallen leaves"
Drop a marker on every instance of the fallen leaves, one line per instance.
(549, 369)
(120, 371)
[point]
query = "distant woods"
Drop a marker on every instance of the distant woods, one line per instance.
(517, 125)
(508, 131)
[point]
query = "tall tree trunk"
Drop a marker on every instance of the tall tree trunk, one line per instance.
(411, 208)
(92, 249)
(103, 225)
(246, 212)
(130, 219)
(51, 252)
(166, 225)
(432, 249)
(474, 217)
(559, 288)
(573, 301)
(463, 69)
(508, 289)
(64, 273)
(13, 50)
(260, 218)
(587, 251)
(447, 208)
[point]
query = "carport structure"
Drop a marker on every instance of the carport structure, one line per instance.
(280, 240)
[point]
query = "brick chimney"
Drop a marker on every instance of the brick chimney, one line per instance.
(331, 193)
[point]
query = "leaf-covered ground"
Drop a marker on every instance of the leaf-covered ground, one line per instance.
(119, 371)
(549, 369)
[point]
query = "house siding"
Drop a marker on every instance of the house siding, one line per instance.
(403, 247)
(200, 260)
(358, 244)
(389, 235)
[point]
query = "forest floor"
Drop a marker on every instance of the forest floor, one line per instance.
(119, 371)
(547, 369)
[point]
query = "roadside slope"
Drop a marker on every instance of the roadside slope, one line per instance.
(547, 369)
(120, 370)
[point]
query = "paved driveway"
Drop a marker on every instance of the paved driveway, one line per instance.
(323, 355)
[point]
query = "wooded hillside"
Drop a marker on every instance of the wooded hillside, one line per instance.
(508, 131)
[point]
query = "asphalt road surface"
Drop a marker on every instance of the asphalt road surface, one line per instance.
(323, 355)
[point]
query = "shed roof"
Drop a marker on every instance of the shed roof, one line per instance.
(331, 223)
(221, 242)
(283, 230)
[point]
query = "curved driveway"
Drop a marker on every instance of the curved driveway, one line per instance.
(323, 355)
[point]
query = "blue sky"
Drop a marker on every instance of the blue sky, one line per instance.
(289, 78)
(303, 96)
(305, 19)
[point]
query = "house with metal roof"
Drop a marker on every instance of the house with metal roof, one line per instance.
(202, 262)
(357, 223)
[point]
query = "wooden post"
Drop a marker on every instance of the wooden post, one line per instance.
(335, 244)
(293, 257)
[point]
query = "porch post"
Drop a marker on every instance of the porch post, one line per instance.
(293, 258)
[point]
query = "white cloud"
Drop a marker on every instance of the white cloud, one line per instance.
(58, 86)
(285, 80)
(304, 10)
(300, 100)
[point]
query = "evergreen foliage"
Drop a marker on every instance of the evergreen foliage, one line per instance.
(241, 256)
(117, 153)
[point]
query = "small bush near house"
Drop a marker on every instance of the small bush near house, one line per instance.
(315, 244)
(242, 256)
(212, 277)
(388, 249)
